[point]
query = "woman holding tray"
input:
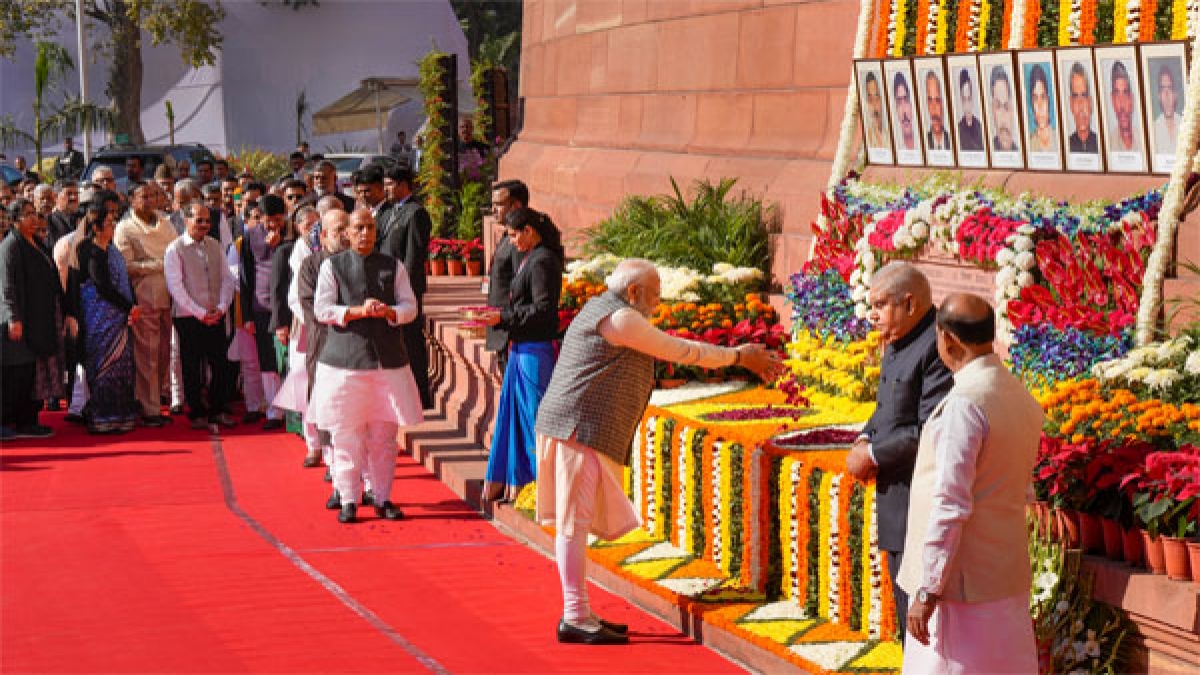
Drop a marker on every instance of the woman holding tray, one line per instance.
(531, 320)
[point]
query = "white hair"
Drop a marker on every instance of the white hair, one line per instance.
(903, 277)
(629, 272)
(329, 203)
(102, 171)
(42, 189)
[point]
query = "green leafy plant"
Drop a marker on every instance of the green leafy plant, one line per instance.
(470, 201)
(266, 166)
(709, 227)
(432, 178)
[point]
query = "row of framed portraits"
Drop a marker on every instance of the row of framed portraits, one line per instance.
(1093, 109)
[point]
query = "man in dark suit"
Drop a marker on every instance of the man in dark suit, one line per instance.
(404, 231)
(912, 382)
(325, 182)
(507, 196)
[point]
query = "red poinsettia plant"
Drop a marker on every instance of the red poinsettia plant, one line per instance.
(1165, 491)
(1059, 472)
(470, 249)
(881, 239)
(443, 249)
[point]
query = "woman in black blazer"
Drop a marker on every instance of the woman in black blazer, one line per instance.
(531, 318)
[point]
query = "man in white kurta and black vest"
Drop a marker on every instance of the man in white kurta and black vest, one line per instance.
(364, 388)
(587, 420)
(967, 564)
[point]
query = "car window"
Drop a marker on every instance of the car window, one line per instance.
(347, 164)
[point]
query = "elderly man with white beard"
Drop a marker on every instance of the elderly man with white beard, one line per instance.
(586, 423)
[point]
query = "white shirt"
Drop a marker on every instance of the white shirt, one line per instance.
(173, 268)
(300, 253)
(628, 328)
(328, 311)
(960, 430)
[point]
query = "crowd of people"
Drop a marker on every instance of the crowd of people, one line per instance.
(141, 301)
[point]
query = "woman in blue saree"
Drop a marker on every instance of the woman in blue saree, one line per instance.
(107, 306)
(531, 319)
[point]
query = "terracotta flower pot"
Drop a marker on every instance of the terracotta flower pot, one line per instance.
(455, 267)
(474, 268)
(672, 383)
(437, 268)
(1044, 521)
(1175, 555)
(1154, 553)
(1111, 532)
(1091, 536)
(1193, 549)
(1068, 527)
(1132, 546)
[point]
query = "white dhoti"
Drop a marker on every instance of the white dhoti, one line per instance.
(579, 492)
(293, 395)
(362, 410)
(975, 638)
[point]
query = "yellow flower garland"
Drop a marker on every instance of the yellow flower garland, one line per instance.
(726, 507)
(787, 540)
(943, 32)
(1064, 22)
(899, 12)
(689, 501)
(1179, 20)
(868, 523)
(985, 13)
(1120, 19)
(823, 535)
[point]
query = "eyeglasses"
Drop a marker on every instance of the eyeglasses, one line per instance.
(293, 196)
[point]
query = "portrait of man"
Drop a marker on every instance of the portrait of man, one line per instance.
(874, 114)
(970, 129)
(904, 118)
(1041, 110)
(1078, 98)
(1164, 66)
(1123, 125)
(939, 150)
(1001, 109)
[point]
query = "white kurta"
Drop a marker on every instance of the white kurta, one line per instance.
(964, 638)
(346, 398)
(293, 393)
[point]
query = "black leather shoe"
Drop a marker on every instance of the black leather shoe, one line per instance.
(389, 511)
(329, 474)
(272, 425)
(334, 502)
(252, 417)
(74, 418)
(602, 636)
(176, 410)
(618, 628)
(348, 514)
(368, 498)
(312, 460)
(153, 421)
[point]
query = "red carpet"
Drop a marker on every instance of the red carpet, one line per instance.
(133, 554)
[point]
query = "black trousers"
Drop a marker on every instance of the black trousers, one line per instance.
(18, 409)
(418, 357)
(201, 345)
(264, 342)
(894, 558)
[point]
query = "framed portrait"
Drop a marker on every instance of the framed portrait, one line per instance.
(1164, 66)
(1001, 110)
(1081, 112)
(1038, 102)
(906, 126)
(1121, 109)
(962, 78)
(873, 111)
(930, 86)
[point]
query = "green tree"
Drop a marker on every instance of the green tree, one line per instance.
(493, 29)
(116, 29)
(51, 66)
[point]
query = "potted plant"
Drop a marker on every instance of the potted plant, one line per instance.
(1166, 498)
(472, 255)
(1111, 462)
(440, 251)
(454, 262)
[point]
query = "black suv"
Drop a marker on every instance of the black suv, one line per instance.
(114, 156)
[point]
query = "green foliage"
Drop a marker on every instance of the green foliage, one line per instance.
(1047, 29)
(1162, 20)
(1104, 21)
(712, 227)
(995, 28)
(470, 202)
(432, 178)
(266, 166)
(910, 35)
(483, 114)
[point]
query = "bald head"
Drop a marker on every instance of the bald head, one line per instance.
(969, 318)
(362, 231)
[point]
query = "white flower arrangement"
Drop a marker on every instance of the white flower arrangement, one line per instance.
(1192, 365)
(728, 275)
(594, 270)
(1158, 366)
(680, 283)
(1133, 21)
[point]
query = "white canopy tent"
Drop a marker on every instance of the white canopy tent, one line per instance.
(367, 106)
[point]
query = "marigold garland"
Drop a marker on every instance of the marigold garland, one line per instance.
(1007, 23)
(1064, 26)
(973, 27)
(985, 19)
(1179, 20)
(964, 25)
(897, 27)
(1087, 22)
(945, 14)
(880, 45)
(1120, 19)
(922, 26)
(1149, 12)
(1033, 15)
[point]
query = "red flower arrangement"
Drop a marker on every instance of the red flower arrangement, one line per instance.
(881, 238)
(982, 235)
(833, 246)
(1166, 491)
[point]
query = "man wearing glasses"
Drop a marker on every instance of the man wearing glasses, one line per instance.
(295, 195)
(202, 287)
(143, 237)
